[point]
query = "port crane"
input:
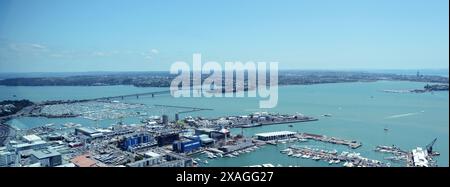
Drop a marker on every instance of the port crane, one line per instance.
(430, 147)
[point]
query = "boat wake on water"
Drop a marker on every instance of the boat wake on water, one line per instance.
(403, 115)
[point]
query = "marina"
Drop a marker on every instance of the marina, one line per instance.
(333, 157)
(342, 126)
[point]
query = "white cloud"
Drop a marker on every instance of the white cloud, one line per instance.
(38, 46)
(154, 51)
(150, 54)
(27, 47)
(57, 55)
(99, 54)
(40, 50)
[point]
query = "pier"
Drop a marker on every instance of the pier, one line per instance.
(416, 158)
(332, 157)
(351, 143)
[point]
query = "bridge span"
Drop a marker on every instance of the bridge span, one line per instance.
(153, 94)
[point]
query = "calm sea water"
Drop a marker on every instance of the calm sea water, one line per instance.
(360, 111)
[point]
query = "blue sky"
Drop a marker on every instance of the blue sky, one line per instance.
(135, 35)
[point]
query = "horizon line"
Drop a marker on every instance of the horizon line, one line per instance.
(309, 69)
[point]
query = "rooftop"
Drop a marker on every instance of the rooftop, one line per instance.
(39, 142)
(87, 130)
(84, 161)
(31, 138)
(277, 133)
(45, 153)
(152, 154)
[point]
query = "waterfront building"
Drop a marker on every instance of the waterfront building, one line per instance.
(220, 134)
(167, 139)
(206, 140)
(420, 157)
(91, 133)
(214, 134)
(46, 157)
(186, 145)
(151, 159)
(28, 146)
(135, 140)
(31, 138)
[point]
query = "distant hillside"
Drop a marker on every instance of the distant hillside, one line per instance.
(163, 79)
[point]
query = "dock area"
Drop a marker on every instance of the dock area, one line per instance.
(351, 143)
(416, 158)
(332, 157)
(261, 119)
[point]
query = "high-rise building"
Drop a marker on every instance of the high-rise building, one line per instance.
(165, 119)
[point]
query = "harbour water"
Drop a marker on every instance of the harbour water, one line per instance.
(359, 111)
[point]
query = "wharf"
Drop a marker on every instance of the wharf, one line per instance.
(351, 143)
(288, 121)
(332, 157)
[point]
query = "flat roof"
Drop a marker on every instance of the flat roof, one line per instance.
(152, 154)
(87, 130)
(277, 133)
(31, 138)
(39, 142)
(45, 153)
(66, 165)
